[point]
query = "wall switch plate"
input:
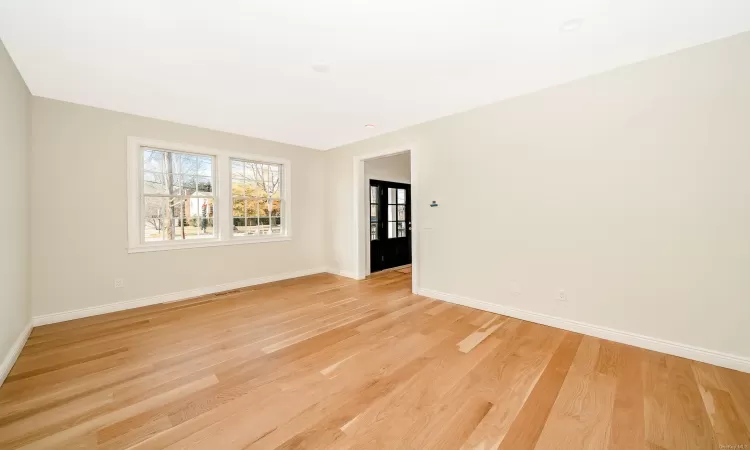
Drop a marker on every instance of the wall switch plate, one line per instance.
(562, 296)
(119, 283)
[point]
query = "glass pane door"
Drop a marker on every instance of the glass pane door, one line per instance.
(396, 213)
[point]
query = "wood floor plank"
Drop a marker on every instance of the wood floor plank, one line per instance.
(509, 377)
(485, 330)
(528, 425)
(328, 362)
(406, 411)
(582, 414)
(322, 431)
(674, 413)
(72, 436)
(463, 423)
(303, 398)
(314, 414)
(738, 386)
(628, 427)
(729, 428)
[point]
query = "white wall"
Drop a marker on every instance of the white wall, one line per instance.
(630, 190)
(80, 216)
(14, 237)
(396, 168)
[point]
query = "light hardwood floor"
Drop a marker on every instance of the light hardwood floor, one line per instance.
(326, 362)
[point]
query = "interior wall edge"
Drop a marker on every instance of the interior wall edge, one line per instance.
(14, 352)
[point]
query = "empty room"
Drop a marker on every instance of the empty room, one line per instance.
(392, 224)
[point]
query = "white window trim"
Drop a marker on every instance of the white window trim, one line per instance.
(222, 197)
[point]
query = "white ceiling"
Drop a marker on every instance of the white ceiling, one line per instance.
(245, 66)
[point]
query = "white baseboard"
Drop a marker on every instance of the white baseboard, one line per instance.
(13, 352)
(166, 298)
(660, 345)
(344, 273)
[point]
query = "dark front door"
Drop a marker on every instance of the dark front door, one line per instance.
(390, 225)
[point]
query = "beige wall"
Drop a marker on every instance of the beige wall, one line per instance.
(14, 236)
(79, 209)
(630, 190)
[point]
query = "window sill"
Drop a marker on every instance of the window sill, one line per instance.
(208, 243)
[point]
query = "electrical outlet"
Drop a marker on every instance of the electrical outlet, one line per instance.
(119, 283)
(561, 296)
(515, 288)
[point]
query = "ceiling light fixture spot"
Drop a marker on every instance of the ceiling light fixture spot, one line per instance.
(369, 125)
(321, 67)
(571, 25)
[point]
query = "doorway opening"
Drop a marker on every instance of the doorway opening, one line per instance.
(386, 237)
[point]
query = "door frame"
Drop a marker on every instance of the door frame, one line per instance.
(362, 218)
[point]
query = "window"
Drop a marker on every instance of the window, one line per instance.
(178, 200)
(257, 200)
(183, 196)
